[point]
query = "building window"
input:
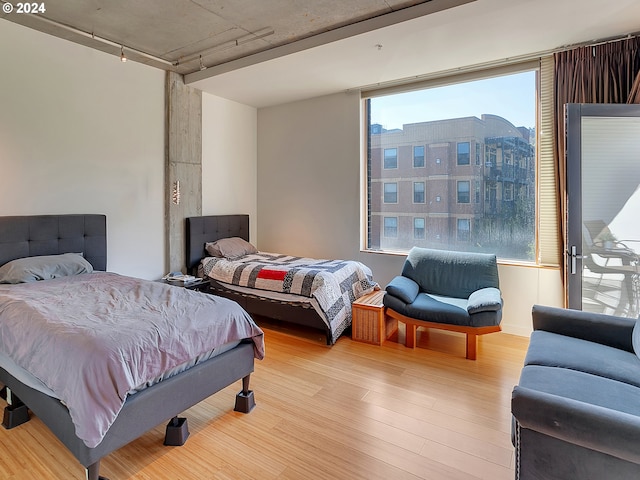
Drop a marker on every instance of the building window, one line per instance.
(508, 192)
(390, 158)
(418, 192)
(418, 156)
(463, 153)
(390, 193)
(493, 147)
(418, 228)
(464, 230)
(391, 227)
(463, 191)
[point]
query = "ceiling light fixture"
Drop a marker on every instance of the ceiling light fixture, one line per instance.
(104, 41)
(123, 57)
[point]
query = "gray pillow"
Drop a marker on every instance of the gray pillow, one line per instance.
(45, 267)
(230, 248)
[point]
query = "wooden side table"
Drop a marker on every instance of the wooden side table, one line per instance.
(370, 324)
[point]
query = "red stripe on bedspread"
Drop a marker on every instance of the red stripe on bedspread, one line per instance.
(268, 274)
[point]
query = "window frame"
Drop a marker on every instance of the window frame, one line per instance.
(385, 227)
(547, 251)
(384, 193)
(459, 192)
(384, 159)
(466, 156)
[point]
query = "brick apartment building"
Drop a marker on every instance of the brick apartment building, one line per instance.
(464, 183)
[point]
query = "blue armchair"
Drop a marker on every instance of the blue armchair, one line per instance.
(456, 291)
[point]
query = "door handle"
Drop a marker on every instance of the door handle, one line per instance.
(574, 259)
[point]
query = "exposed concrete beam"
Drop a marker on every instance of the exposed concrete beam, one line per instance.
(183, 164)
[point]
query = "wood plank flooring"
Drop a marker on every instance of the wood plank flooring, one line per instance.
(352, 411)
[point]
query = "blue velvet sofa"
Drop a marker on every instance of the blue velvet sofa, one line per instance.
(576, 408)
(457, 291)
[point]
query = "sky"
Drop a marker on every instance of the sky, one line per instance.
(511, 97)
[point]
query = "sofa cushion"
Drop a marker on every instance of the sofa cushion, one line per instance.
(583, 387)
(404, 288)
(553, 350)
(434, 308)
(484, 300)
(451, 274)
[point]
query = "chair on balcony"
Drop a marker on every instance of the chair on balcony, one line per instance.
(456, 291)
(608, 258)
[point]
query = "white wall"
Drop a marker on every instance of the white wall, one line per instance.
(309, 199)
(81, 132)
(229, 156)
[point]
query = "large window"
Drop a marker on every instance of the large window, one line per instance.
(474, 143)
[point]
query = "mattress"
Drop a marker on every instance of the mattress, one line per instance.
(33, 382)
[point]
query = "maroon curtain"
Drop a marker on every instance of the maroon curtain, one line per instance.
(604, 73)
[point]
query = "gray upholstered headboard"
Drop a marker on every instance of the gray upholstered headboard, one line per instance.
(33, 235)
(201, 230)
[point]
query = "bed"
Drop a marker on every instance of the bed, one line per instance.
(174, 383)
(274, 285)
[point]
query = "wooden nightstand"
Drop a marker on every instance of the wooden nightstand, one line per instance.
(370, 324)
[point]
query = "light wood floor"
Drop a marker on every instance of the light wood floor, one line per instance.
(352, 411)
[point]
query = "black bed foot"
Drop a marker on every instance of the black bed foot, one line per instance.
(16, 412)
(177, 432)
(92, 472)
(15, 415)
(245, 402)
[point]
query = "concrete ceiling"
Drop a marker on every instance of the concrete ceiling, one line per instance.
(267, 52)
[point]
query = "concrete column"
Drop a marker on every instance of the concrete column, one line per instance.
(183, 164)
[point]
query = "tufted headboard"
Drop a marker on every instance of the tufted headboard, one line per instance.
(33, 235)
(201, 230)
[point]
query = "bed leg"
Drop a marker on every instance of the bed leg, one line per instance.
(177, 432)
(16, 412)
(93, 472)
(245, 400)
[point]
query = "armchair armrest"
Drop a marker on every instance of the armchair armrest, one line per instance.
(403, 288)
(591, 426)
(484, 300)
(616, 332)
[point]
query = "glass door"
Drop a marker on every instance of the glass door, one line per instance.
(603, 210)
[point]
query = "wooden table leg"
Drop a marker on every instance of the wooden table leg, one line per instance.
(410, 335)
(472, 345)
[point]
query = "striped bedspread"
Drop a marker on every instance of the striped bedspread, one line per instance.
(335, 284)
